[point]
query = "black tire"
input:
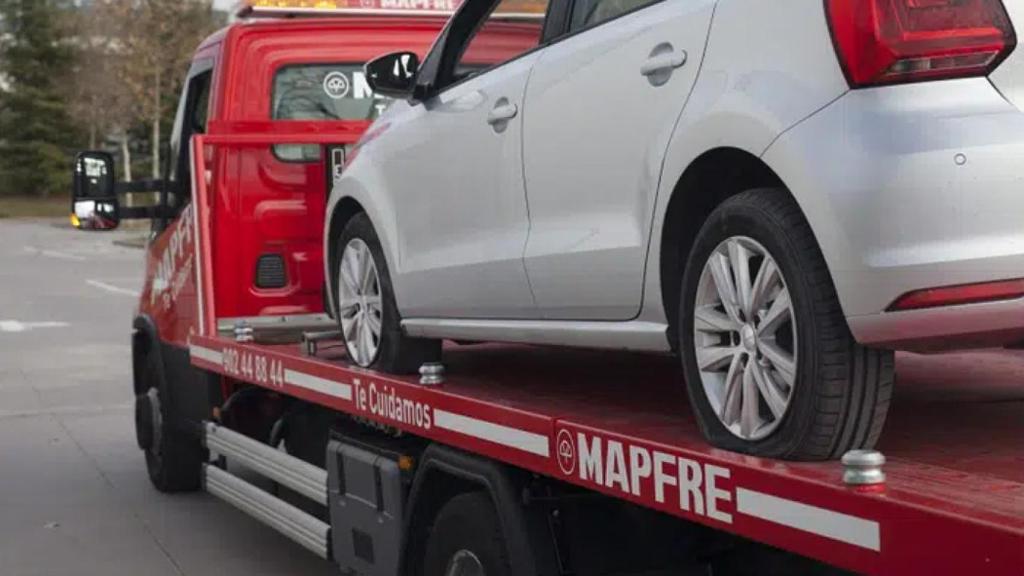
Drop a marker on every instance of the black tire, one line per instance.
(468, 523)
(174, 458)
(397, 353)
(842, 389)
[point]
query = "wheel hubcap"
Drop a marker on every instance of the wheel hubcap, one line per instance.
(748, 335)
(464, 563)
(745, 338)
(359, 302)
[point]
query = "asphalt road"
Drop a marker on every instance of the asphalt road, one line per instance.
(74, 495)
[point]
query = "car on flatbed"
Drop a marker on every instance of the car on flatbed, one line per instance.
(781, 193)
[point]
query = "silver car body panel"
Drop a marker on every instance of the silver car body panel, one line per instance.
(906, 187)
(638, 336)
(1009, 77)
(445, 192)
(973, 325)
(752, 88)
(595, 136)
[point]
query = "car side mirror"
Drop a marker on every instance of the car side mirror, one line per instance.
(94, 204)
(393, 75)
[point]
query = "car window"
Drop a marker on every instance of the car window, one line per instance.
(587, 13)
(512, 29)
(321, 92)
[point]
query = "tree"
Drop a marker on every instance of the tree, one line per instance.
(102, 104)
(157, 38)
(36, 129)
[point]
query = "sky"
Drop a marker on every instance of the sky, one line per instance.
(224, 4)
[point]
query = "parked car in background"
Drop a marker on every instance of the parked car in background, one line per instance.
(781, 192)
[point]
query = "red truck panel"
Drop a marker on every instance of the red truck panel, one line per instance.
(619, 424)
(264, 205)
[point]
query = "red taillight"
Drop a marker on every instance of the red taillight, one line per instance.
(894, 41)
(956, 295)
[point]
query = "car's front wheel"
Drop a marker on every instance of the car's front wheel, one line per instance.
(365, 306)
(770, 364)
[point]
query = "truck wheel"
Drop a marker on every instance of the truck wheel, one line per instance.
(466, 540)
(367, 313)
(770, 364)
(173, 458)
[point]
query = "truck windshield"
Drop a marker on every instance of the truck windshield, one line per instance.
(321, 92)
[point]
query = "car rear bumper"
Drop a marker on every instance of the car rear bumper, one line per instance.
(909, 188)
(967, 326)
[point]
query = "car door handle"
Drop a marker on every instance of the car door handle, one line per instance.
(502, 112)
(663, 63)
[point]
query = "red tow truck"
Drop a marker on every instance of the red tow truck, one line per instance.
(505, 459)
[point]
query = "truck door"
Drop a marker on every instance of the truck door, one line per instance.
(169, 295)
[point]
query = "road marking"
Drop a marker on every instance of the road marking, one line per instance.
(834, 525)
(497, 433)
(54, 254)
(16, 326)
(65, 410)
(111, 288)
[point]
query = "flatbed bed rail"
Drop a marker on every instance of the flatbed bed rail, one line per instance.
(632, 438)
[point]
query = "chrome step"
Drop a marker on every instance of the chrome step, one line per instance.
(305, 529)
(298, 475)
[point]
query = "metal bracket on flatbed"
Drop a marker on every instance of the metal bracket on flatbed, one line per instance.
(312, 340)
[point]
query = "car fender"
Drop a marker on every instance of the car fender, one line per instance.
(359, 179)
(767, 67)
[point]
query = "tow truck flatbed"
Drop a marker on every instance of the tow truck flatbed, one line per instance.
(584, 422)
(619, 424)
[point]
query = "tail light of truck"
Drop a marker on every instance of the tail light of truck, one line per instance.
(898, 41)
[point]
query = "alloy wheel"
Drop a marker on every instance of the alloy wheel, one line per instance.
(359, 302)
(745, 338)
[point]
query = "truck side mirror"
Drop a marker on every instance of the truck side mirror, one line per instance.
(393, 75)
(94, 204)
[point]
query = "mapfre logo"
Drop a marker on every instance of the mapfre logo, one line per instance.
(647, 473)
(566, 447)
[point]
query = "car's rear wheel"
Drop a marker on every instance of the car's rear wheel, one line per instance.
(365, 306)
(770, 364)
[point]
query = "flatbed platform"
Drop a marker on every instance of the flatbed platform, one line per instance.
(620, 424)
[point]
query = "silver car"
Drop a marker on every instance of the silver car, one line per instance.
(782, 193)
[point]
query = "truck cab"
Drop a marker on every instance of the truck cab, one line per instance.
(274, 71)
(271, 199)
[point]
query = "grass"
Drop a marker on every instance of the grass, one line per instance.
(30, 207)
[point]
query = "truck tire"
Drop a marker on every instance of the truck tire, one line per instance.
(366, 310)
(466, 540)
(173, 458)
(772, 369)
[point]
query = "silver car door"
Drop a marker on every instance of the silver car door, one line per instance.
(601, 106)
